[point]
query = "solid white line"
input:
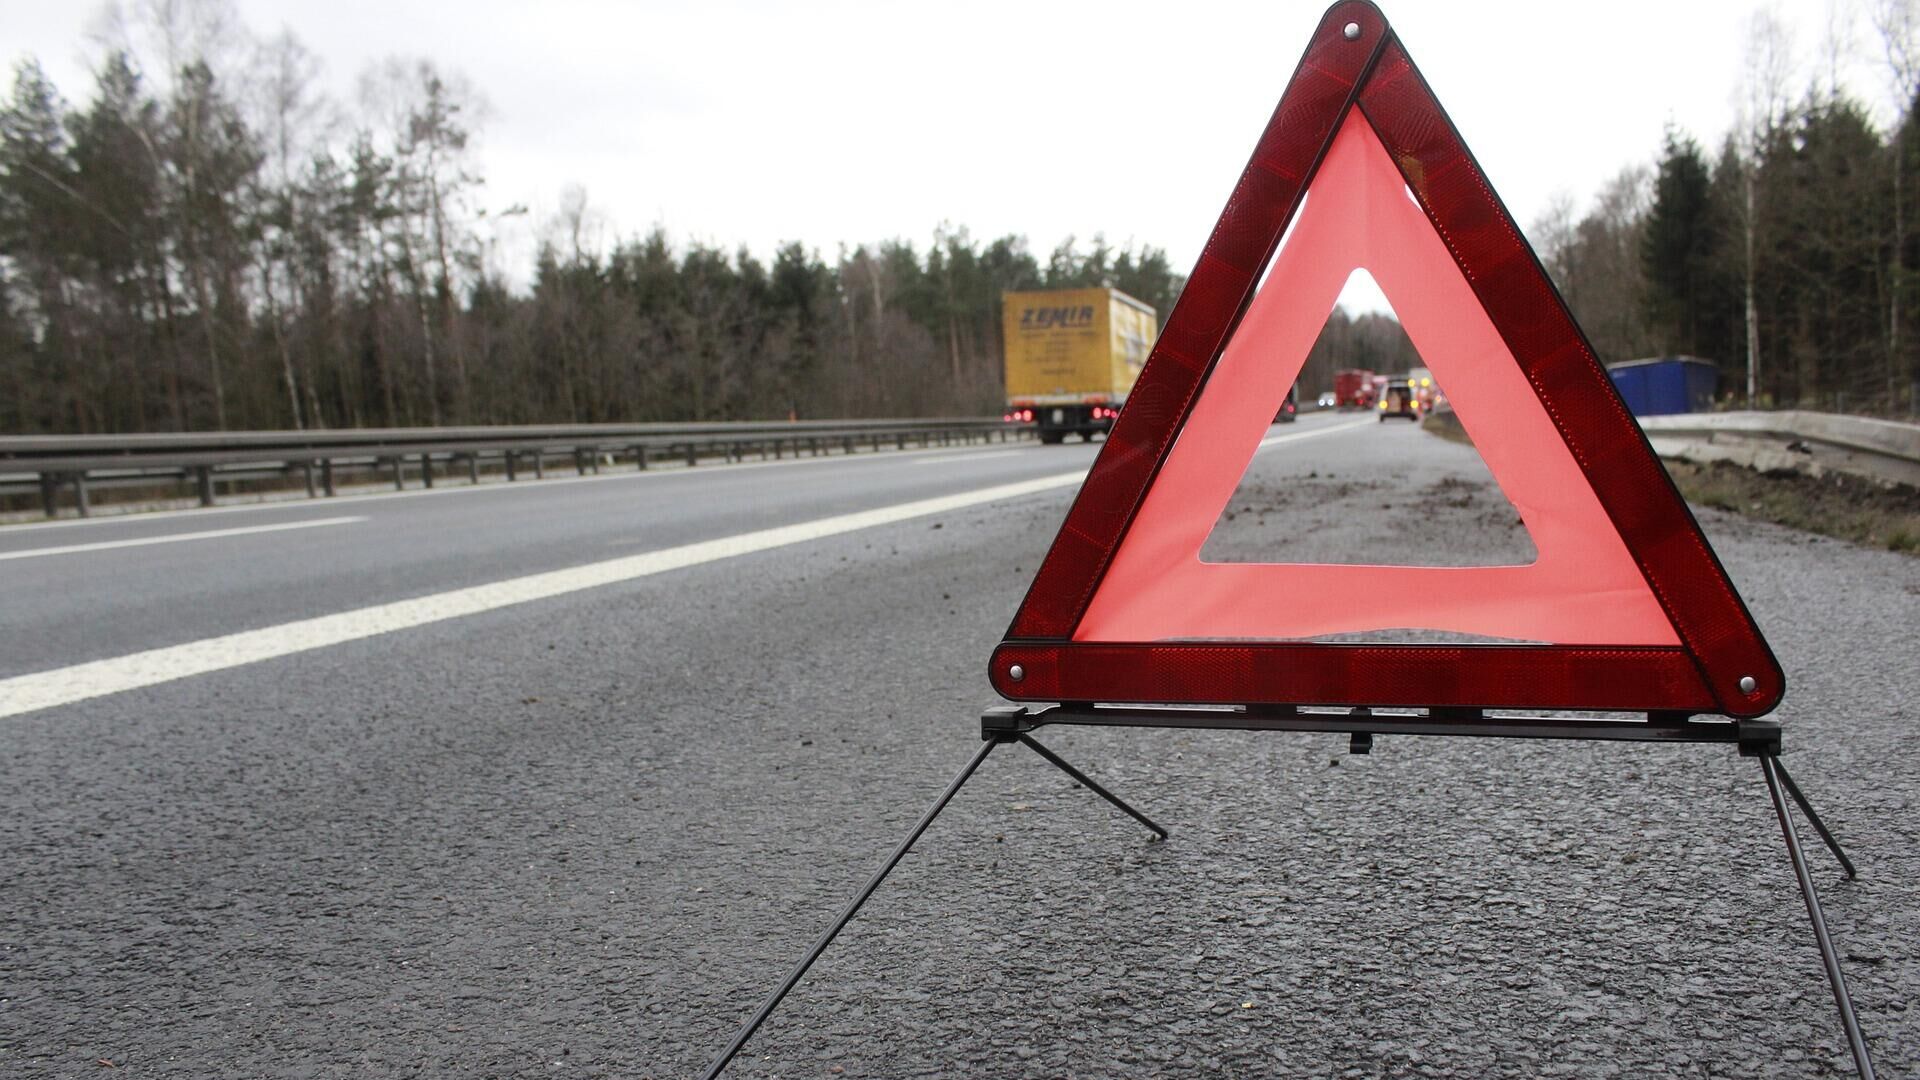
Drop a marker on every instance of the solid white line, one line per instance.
(1334, 430)
(173, 538)
(964, 457)
(64, 686)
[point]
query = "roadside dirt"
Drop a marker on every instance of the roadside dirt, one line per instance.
(1838, 505)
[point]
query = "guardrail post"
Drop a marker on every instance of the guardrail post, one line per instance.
(473, 467)
(640, 451)
(203, 478)
(306, 472)
(326, 476)
(399, 473)
(540, 464)
(80, 494)
(49, 494)
(426, 469)
(579, 462)
(512, 458)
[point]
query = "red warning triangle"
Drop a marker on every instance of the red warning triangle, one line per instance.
(1626, 606)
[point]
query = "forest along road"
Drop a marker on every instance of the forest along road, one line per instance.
(560, 777)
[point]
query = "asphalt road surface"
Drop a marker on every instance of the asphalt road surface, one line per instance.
(557, 779)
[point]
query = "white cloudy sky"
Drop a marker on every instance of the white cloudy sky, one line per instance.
(835, 121)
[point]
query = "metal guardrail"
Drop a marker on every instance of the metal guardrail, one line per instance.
(1795, 439)
(79, 463)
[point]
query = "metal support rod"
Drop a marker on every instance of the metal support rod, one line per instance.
(1770, 768)
(847, 913)
(203, 479)
(326, 477)
(80, 502)
(426, 469)
(1087, 782)
(1819, 826)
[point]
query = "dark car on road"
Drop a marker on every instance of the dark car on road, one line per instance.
(1287, 409)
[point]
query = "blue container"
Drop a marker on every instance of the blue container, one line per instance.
(1666, 385)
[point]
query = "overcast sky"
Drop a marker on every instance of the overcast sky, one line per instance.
(831, 122)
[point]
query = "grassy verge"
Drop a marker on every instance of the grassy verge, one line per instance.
(1838, 505)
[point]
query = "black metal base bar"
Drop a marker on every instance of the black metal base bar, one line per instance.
(1473, 722)
(1856, 1041)
(1087, 782)
(1819, 826)
(1006, 724)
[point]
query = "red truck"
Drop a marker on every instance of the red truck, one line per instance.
(1353, 389)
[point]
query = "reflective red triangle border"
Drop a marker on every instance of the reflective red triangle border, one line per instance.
(1720, 646)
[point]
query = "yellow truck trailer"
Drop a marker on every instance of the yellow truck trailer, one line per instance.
(1072, 357)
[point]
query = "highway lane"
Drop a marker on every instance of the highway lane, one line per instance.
(88, 605)
(584, 834)
(84, 597)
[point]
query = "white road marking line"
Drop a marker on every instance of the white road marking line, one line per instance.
(173, 538)
(1297, 436)
(964, 457)
(79, 682)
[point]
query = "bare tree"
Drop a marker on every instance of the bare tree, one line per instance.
(1898, 26)
(429, 118)
(292, 118)
(1762, 105)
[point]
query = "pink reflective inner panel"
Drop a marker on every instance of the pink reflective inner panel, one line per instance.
(1584, 588)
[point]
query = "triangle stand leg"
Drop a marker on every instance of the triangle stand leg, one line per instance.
(1776, 780)
(1084, 781)
(1819, 826)
(847, 913)
(992, 738)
